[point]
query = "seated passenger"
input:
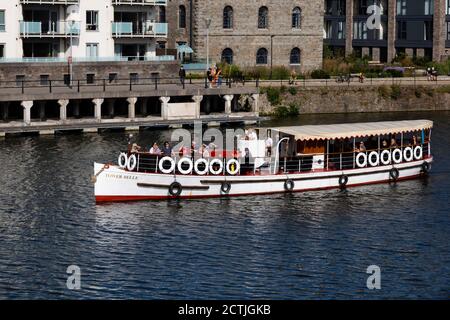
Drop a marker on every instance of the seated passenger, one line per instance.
(384, 144)
(166, 150)
(135, 148)
(414, 141)
(362, 147)
(155, 149)
(393, 143)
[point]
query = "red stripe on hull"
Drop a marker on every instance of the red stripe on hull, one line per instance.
(140, 198)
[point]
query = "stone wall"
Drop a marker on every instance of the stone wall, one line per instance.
(101, 70)
(354, 100)
(177, 34)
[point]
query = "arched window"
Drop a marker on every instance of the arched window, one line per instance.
(263, 18)
(162, 14)
(294, 58)
(227, 55)
(182, 17)
(261, 56)
(297, 18)
(228, 17)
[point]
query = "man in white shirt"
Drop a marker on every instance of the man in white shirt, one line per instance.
(269, 143)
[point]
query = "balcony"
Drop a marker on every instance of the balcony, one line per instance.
(140, 2)
(139, 30)
(46, 29)
(88, 59)
(63, 2)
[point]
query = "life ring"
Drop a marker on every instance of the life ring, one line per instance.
(394, 173)
(358, 158)
(383, 159)
(408, 154)
(397, 156)
(161, 165)
(289, 185)
(197, 164)
(211, 166)
(175, 189)
(425, 167)
(225, 187)
(132, 162)
(377, 159)
(343, 180)
(418, 152)
(180, 166)
(233, 170)
(123, 160)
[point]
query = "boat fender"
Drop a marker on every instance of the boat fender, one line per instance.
(408, 154)
(123, 160)
(233, 167)
(180, 166)
(175, 189)
(397, 156)
(289, 185)
(161, 165)
(225, 187)
(374, 162)
(343, 180)
(425, 167)
(418, 152)
(385, 160)
(211, 166)
(205, 168)
(132, 162)
(362, 163)
(394, 173)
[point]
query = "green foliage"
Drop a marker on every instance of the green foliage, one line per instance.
(396, 91)
(384, 91)
(418, 92)
(286, 111)
(320, 74)
(293, 90)
(273, 95)
(280, 73)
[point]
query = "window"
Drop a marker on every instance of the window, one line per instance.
(401, 7)
(44, 79)
(162, 14)
(2, 50)
(92, 20)
(296, 18)
(2, 21)
(261, 56)
(66, 79)
(295, 56)
(448, 30)
(263, 18)
(448, 7)
(341, 30)
(20, 78)
(161, 44)
(182, 17)
(328, 29)
(360, 30)
(90, 78)
(401, 30)
(228, 17)
(429, 7)
(227, 55)
(134, 77)
(91, 49)
(428, 30)
(112, 77)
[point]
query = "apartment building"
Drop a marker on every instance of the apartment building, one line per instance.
(415, 27)
(104, 30)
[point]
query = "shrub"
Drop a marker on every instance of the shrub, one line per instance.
(418, 92)
(320, 74)
(259, 72)
(293, 90)
(396, 91)
(286, 111)
(384, 91)
(283, 89)
(280, 73)
(273, 95)
(294, 110)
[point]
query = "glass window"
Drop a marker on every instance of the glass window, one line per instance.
(182, 17)
(296, 18)
(360, 30)
(91, 49)
(90, 78)
(263, 18)
(92, 20)
(295, 56)
(428, 30)
(261, 56)
(162, 14)
(227, 55)
(2, 21)
(401, 30)
(2, 50)
(448, 30)
(429, 7)
(401, 7)
(341, 30)
(328, 29)
(228, 17)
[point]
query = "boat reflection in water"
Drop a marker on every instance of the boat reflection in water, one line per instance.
(303, 158)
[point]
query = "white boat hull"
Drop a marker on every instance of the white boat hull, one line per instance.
(115, 184)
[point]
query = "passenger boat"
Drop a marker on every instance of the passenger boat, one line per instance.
(312, 157)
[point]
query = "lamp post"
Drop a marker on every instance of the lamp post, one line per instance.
(208, 24)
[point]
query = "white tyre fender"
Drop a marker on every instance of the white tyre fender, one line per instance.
(161, 165)
(180, 166)
(383, 159)
(397, 156)
(214, 162)
(373, 155)
(361, 163)
(408, 154)
(122, 160)
(196, 166)
(132, 162)
(418, 152)
(235, 170)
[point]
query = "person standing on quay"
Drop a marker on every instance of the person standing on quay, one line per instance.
(182, 74)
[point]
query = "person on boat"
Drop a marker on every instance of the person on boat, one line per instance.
(253, 135)
(269, 143)
(204, 151)
(384, 144)
(166, 150)
(135, 148)
(362, 147)
(393, 143)
(414, 141)
(155, 149)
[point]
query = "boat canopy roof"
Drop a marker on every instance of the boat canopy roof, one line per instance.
(353, 130)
